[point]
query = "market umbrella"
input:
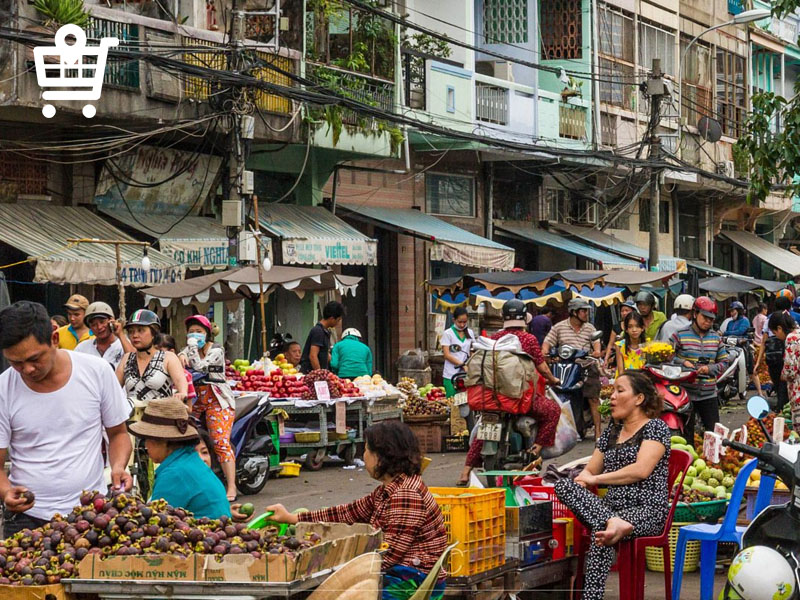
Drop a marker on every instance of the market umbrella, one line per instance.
(605, 295)
(448, 301)
(242, 282)
(496, 300)
(723, 286)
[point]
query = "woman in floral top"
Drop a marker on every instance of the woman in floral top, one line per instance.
(629, 349)
(783, 325)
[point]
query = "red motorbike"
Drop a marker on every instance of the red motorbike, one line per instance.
(678, 410)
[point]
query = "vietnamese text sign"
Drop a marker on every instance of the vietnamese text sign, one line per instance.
(197, 254)
(330, 252)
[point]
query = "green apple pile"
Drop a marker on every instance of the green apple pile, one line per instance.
(703, 482)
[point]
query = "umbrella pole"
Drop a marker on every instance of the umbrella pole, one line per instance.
(260, 280)
(120, 287)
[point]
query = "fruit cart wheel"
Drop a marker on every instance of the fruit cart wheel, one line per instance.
(315, 458)
(49, 111)
(88, 111)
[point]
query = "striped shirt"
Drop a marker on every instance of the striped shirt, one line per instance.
(691, 346)
(563, 334)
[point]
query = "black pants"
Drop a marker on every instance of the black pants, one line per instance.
(781, 389)
(15, 522)
(708, 411)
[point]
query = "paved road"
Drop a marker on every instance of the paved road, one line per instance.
(333, 485)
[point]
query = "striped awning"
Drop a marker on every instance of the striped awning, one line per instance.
(313, 235)
(41, 232)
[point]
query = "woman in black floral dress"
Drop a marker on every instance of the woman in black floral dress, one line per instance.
(632, 459)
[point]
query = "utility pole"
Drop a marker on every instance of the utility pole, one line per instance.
(656, 90)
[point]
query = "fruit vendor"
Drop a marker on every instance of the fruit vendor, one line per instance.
(351, 357)
(456, 342)
(182, 479)
(402, 506)
(317, 351)
(293, 354)
(214, 396)
(54, 407)
(631, 457)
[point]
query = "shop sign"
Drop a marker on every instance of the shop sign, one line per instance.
(137, 276)
(197, 254)
(167, 181)
(329, 252)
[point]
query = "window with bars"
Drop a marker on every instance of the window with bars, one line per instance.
(505, 21)
(119, 73)
(263, 99)
(616, 42)
(644, 215)
(194, 86)
(655, 42)
(552, 204)
(731, 92)
(696, 83)
(561, 30)
(450, 195)
(21, 176)
(622, 220)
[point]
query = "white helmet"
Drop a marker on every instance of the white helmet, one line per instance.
(761, 573)
(351, 331)
(684, 302)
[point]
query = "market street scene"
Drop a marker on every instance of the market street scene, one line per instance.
(400, 299)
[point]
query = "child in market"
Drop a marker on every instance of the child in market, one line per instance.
(630, 354)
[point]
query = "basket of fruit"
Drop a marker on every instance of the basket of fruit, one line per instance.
(658, 352)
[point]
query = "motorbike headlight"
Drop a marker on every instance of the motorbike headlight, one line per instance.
(685, 408)
(565, 352)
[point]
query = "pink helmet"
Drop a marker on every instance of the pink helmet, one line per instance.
(199, 320)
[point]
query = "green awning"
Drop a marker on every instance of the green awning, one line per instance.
(450, 243)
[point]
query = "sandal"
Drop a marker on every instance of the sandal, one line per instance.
(462, 483)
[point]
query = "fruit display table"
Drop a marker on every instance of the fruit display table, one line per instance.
(321, 415)
(386, 408)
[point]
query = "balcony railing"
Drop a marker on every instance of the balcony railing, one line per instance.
(491, 103)
(119, 73)
(265, 100)
(356, 86)
(571, 122)
(414, 78)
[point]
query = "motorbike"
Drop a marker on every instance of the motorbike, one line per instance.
(776, 526)
(278, 344)
(569, 367)
(733, 381)
(678, 410)
(251, 440)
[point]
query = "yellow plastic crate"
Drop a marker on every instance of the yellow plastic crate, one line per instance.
(655, 557)
(476, 519)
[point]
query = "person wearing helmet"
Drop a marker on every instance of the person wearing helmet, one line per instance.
(699, 347)
(737, 324)
(106, 343)
(546, 411)
(215, 402)
(681, 317)
(625, 309)
(653, 319)
(69, 336)
(146, 373)
(350, 357)
(576, 331)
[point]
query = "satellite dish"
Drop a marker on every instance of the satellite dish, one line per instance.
(710, 129)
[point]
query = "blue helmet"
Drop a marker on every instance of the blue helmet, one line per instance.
(736, 305)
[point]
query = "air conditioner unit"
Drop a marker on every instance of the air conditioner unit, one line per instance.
(725, 167)
(503, 70)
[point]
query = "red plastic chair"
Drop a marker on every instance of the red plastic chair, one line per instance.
(631, 553)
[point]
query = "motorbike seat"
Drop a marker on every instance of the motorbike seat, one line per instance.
(246, 404)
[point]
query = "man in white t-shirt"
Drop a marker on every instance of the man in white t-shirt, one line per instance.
(108, 343)
(54, 407)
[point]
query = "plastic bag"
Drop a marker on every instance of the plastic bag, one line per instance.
(566, 433)
(412, 360)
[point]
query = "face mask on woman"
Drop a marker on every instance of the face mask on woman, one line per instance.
(460, 327)
(200, 337)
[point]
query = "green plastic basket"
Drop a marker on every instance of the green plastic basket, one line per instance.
(700, 512)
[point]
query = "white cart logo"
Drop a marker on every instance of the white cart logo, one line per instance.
(77, 66)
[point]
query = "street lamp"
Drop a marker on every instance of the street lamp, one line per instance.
(744, 17)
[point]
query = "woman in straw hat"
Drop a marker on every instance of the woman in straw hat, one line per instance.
(182, 479)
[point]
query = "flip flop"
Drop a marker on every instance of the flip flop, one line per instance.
(462, 483)
(234, 499)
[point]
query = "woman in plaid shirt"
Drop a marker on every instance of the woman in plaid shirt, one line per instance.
(402, 507)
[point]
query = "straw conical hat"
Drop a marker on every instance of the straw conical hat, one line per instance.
(359, 579)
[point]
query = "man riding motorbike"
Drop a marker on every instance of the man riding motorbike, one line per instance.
(577, 332)
(653, 319)
(738, 323)
(700, 347)
(681, 317)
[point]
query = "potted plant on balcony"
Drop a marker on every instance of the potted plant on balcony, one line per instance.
(572, 89)
(56, 13)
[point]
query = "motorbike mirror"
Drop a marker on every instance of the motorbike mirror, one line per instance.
(758, 407)
(597, 335)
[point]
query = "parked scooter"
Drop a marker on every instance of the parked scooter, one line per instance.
(678, 411)
(767, 566)
(279, 343)
(569, 367)
(251, 440)
(733, 381)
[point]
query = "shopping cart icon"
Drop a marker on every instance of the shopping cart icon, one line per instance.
(75, 66)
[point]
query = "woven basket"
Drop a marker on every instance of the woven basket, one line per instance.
(655, 557)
